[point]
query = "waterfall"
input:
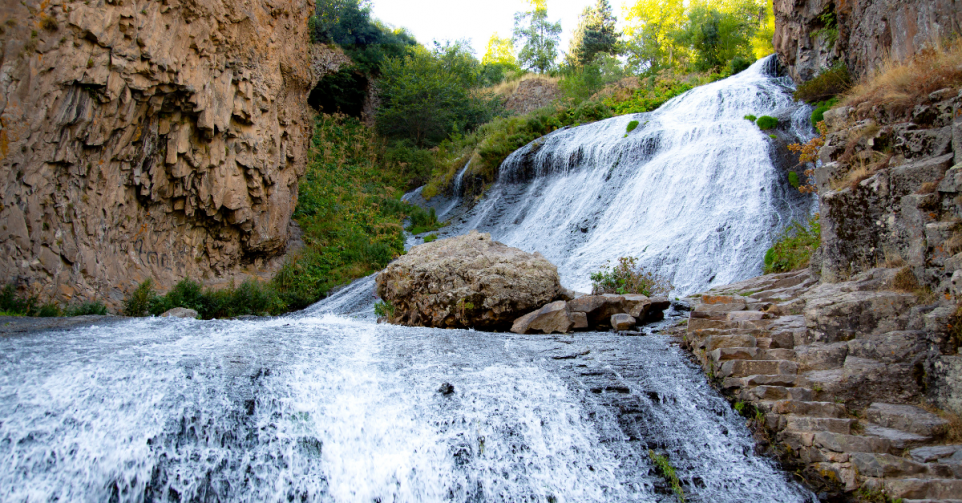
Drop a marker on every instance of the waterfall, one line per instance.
(692, 192)
(326, 405)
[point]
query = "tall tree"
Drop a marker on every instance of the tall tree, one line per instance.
(540, 37)
(596, 33)
(500, 52)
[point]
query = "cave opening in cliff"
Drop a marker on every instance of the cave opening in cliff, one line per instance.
(344, 92)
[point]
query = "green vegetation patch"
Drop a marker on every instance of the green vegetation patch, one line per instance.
(631, 126)
(667, 471)
(750, 118)
(766, 122)
(13, 304)
(818, 115)
(349, 208)
(827, 85)
(250, 298)
(628, 277)
(794, 247)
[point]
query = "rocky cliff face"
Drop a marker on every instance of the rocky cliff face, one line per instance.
(811, 35)
(150, 138)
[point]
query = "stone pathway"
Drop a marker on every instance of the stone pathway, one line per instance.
(831, 374)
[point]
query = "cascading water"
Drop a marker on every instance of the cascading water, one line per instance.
(326, 405)
(692, 192)
(318, 406)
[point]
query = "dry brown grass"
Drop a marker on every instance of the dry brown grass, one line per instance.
(508, 88)
(901, 85)
(905, 280)
(952, 434)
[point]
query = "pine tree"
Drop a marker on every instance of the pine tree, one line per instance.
(596, 33)
(540, 37)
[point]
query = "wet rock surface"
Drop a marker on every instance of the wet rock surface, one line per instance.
(469, 281)
(150, 139)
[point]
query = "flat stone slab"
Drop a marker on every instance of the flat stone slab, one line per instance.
(906, 418)
(936, 452)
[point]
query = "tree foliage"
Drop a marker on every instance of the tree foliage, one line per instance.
(348, 23)
(428, 95)
(500, 51)
(699, 34)
(596, 33)
(539, 36)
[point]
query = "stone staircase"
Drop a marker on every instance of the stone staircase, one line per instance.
(820, 370)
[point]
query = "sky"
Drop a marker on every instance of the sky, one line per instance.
(453, 20)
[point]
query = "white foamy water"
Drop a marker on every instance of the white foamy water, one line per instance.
(692, 192)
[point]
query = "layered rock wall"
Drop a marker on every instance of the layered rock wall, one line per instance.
(150, 138)
(811, 35)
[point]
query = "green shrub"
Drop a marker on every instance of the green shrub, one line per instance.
(628, 277)
(738, 64)
(631, 126)
(766, 122)
(430, 238)
(818, 115)
(750, 117)
(139, 301)
(87, 308)
(383, 309)
(14, 305)
(828, 84)
(794, 247)
(423, 221)
(793, 179)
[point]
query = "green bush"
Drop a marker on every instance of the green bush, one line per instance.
(750, 118)
(87, 308)
(628, 277)
(430, 238)
(383, 309)
(738, 64)
(794, 247)
(828, 84)
(423, 221)
(793, 179)
(250, 298)
(818, 115)
(631, 126)
(766, 122)
(139, 301)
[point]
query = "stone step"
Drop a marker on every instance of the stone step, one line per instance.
(703, 324)
(763, 342)
(839, 442)
(906, 418)
(775, 393)
(729, 341)
(725, 354)
(745, 368)
(932, 453)
(775, 354)
(769, 380)
(900, 439)
(870, 464)
(816, 424)
(923, 488)
(811, 409)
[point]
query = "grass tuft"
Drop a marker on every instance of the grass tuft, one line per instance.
(794, 247)
(628, 277)
(827, 85)
(901, 85)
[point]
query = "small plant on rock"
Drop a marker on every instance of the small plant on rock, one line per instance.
(631, 126)
(628, 277)
(383, 309)
(668, 473)
(751, 118)
(793, 249)
(766, 122)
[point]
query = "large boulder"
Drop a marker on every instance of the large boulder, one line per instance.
(553, 317)
(467, 281)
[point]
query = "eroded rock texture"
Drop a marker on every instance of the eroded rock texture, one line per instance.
(467, 281)
(150, 138)
(864, 32)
